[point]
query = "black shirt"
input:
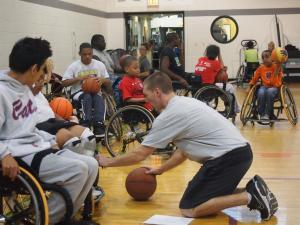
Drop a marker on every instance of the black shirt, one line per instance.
(175, 65)
(144, 64)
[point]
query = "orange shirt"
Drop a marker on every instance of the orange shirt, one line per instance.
(266, 74)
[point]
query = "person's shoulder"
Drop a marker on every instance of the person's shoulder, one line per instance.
(98, 63)
(76, 63)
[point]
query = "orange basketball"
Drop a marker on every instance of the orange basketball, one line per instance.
(140, 185)
(90, 85)
(62, 107)
(279, 55)
(222, 77)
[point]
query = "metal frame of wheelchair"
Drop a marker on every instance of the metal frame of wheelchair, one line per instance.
(212, 95)
(24, 200)
(284, 102)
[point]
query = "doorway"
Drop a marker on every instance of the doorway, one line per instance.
(151, 29)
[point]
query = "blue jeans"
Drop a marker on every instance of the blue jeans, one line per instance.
(90, 102)
(265, 98)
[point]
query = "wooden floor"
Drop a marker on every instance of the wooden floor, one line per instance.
(276, 159)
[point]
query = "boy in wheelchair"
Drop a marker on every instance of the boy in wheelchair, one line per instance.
(19, 137)
(212, 70)
(270, 75)
(131, 85)
(92, 104)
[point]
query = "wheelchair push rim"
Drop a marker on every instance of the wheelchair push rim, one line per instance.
(26, 204)
(289, 105)
(247, 106)
(124, 130)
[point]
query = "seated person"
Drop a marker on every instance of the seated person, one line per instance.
(76, 73)
(169, 60)
(251, 59)
(20, 138)
(68, 134)
(210, 67)
(131, 85)
(144, 63)
(270, 75)
(98, 44)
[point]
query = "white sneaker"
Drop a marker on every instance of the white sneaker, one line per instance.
(97, 193)
(265, 117)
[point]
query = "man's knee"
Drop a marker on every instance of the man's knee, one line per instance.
(188, 212)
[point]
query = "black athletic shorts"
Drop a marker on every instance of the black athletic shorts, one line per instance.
(217, 177)
(53, 125)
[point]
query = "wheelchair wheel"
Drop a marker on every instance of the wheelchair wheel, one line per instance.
(110, 105)
(289, 104)
(127, 127)
(23, 200)
(247, 107)
(240, 75)
(216, 98)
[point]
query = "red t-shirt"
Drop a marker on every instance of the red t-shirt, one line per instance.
(132, 87)
(207, 69)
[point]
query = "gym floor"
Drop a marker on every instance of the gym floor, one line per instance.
(276, 159)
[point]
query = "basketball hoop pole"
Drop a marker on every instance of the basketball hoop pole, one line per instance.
(278, 31)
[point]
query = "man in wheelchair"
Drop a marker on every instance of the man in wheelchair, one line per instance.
(92, 104)
(270, 75)
(19, 137)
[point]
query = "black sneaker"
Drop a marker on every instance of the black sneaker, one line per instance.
(78, 222)
(262, 199)
(99, 129)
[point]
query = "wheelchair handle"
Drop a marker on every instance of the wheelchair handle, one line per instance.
(244, 42)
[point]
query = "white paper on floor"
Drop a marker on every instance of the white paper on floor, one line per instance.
(168, 220)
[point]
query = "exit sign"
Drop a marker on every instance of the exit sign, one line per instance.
(153, 3)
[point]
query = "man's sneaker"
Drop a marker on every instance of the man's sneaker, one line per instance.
(265, 117)
(99, 130)
(262, 199)
(98, 193)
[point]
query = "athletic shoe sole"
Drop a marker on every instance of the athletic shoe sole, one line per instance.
(267, 196)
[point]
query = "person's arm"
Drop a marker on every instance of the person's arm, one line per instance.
(135, 100)
(177, 158)
(69, 79)
(140, 154)
(165, 63)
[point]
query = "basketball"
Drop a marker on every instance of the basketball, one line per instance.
(279, 55)
(222, 77)
(62, 107)
(90, 85)
(140, 185)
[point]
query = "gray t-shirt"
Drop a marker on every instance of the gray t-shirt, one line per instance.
(195, 128)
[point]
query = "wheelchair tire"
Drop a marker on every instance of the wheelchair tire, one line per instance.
(216, 98)
(289, 104)
(247, 106)
(110, 105)
(23, 201)
(127, 126)
(240, 75)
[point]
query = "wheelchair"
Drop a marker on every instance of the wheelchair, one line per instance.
(214, 96)
(245, 71)
(284, 102)
(24, 200)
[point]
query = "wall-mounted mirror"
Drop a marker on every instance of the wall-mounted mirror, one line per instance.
(224, 29)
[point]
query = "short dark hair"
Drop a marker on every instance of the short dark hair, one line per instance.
(127, 61)
(265, 51)
(212, 52)
(28, 52)
(159, 80)
(171, 37)
(250, 44)
(96, 38)
(84, 45)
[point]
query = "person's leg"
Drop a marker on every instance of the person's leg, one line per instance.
(92, 171)
(261, 100)
(71, 174)
(98, 117)
(87, 104)
(217, 204)
(270, 97)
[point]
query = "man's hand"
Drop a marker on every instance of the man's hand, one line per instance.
(10, 167)
(154, 171)
(103, 161)
(183, 82)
